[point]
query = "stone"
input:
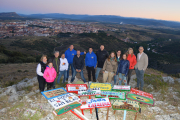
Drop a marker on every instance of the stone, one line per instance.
(178, 80)
(21, 85)
(170, 107)
(156, 110)
(175, 116)
(160, 103)
(31, 112)
(21, 93)
(168, 79)
(13, 98)
(47, 107)
(11, 90)
(162, 117)
(48, 117)
(31, 94)
(150, 86)
(4, 110)
(37, 91)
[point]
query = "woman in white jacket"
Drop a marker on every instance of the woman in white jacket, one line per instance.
(63, 68)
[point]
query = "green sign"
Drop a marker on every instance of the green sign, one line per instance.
(66, 108)
(141, 99)
(112, 95)
(125, 105)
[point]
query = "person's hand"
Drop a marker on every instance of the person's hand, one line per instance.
(114, 74)
(124, 81)
(79, 70)
(119, 78)
(103, 71)
(76, 70)
(84, 52)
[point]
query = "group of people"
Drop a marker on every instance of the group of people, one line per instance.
(113, 65)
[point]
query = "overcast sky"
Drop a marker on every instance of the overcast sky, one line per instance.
(156, 9)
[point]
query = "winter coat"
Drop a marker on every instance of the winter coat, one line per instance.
(40, 69)
(110, 66)
(49, 74)
(78, 63)
(132, 61)
(101, 57)
(70, 55)
(91, 59)
(56, 63)
(123, 67)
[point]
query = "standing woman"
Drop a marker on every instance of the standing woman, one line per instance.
(40, 72)
(122, 69)
(132, 62)
(109, 68)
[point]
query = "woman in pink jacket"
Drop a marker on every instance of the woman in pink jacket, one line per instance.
(49, 75)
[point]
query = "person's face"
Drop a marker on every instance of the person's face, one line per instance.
(90, 50)
(71, 47)
(130, 51)
(50, 65)
(124, 57)
(63, 56)
(112, 55)
(44, 60)
(118, 53)
(102, 47)
(78, 52)
(56, 54)
(141, 49)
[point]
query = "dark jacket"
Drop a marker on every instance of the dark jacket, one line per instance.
(55, 64)
(101, 57)
(123, 67)
(78, 63)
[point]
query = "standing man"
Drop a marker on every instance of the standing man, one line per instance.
(118, 57)
(140, 67)
(69, 54)
(102, 55)
(78, 64)
(56, 63)
(90, 62)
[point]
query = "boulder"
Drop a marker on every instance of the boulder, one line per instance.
(13, 98)
(29, 112)
(175, 116)
(21, 85)
(48, 117)
(11, 90)
(168, 79)
(162, 117)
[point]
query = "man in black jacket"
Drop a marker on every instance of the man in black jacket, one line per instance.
(78, 64)
(56, 63)
(102, 55)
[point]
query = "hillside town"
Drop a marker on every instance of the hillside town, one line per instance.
(45, 27)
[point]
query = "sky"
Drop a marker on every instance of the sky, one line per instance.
(153, 9)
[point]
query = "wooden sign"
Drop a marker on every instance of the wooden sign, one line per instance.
(66, 108)
(98, 103)
(73, 88)
(112, 95)
(94, 91)
(141, 99)
(63, 100)
(102, 86)
(141, 93)
(121, 88)
(126, 105)
(53, 93)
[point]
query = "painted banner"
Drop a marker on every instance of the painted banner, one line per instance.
(53, 93)
(141, 99)
(125, 105)
(98, 103)
(66, 108)
(112, 95)
(141, 93)
(94, 91)
(73, 88)
(102, 86)
(63, 100)
(121, 87)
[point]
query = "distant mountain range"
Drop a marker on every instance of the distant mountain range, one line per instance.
(97, 18)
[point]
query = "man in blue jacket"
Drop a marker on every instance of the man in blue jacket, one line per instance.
(90, 62)
(69, 54)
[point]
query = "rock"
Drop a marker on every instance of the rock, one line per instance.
(21, 93)
(156, 110)
(21, 85)
(11, 90)
(13, 98)
(162, 117)
(178, 80)
(168, 79)
(160, 103)
(29, 112)
(175, 116)
(37, 91)
(170, 107)
(175, 97)
(31, 94)
(47, 107)
(48, 117)
(4, 110)
(2, 94)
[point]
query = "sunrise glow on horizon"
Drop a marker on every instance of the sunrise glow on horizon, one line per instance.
(161, 9)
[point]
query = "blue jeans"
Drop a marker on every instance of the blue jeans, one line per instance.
(115, 79)
(123, 77)
(140, 78)
(74, 74)
(72, 69)
(97, 72)
(60, 74)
